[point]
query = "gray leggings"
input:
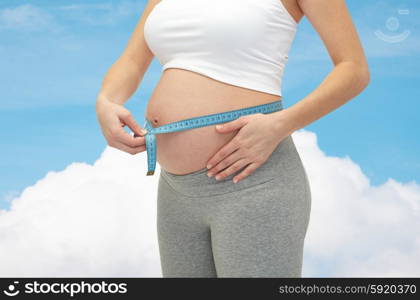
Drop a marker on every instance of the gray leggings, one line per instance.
(254, 228)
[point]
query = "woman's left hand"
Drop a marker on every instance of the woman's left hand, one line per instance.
(258, 136)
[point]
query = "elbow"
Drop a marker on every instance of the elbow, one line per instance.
(361, 77)
(359, 74)
(362, 73)
(364, 76)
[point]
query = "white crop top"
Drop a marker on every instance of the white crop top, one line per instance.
(240, 42)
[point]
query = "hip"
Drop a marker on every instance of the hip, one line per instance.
(282, 171)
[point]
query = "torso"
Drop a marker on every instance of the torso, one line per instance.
(182, 94)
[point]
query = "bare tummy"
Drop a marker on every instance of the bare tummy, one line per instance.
(182, 94)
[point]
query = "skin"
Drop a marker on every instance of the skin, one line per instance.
(238, 147)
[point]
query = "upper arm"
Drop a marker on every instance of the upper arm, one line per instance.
(332, 20)
(137, 48)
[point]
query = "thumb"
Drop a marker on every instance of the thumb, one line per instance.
(132, 124)
(231, 126)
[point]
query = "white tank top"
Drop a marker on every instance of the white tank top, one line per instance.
(240, 42)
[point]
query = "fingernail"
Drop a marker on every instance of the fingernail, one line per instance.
(209, 166)
(217, 177)
(235, 180)
(144, 131)
(209, 174)
(219, 126)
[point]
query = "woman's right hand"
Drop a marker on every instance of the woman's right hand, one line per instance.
(112, 118)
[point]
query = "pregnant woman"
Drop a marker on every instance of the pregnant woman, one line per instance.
(232, 201)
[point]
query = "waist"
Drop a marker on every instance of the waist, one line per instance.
(284, 164)
(182, 94)
(197, 122)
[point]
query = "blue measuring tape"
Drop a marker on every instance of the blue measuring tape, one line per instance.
(207, 120)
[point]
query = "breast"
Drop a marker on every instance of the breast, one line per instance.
(241, 42)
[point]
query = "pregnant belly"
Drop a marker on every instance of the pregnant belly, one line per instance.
(182, 94)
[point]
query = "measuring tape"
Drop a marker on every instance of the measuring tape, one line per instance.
(207, 120)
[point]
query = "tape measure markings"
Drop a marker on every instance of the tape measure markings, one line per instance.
(198, 122)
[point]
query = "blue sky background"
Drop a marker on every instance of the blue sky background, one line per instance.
(54, 54)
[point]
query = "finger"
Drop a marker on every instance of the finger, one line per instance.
(232, 125)
(222, 153)
(128, 119)
(235, 167)
(246, 172)
(123, 137)
(224, 163)
(125, 148)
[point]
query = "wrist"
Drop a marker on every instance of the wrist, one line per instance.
(284, 123)
(101, 98)
(101, 102)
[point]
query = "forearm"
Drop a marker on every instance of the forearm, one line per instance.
(122, 80)
(343, 83)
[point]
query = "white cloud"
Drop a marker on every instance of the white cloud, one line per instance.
(25, 17)
(357, 229)
(99, 220)
(102, 13)
(100, 6)
(90, 220)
